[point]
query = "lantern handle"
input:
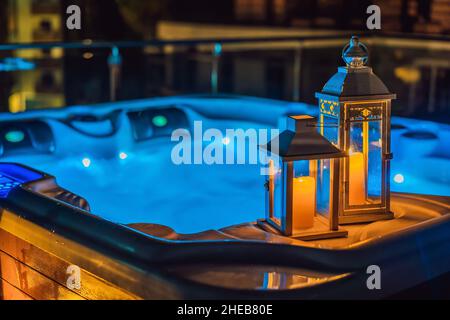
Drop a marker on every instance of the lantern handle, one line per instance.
(355, 53)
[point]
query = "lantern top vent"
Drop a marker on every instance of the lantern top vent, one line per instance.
(355, 81)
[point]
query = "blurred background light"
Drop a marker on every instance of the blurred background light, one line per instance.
(398, 178)
(86, 162)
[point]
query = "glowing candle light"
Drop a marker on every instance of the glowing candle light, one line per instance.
(357, 179)
(303, 203)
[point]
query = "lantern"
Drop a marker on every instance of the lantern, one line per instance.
(355, 112)
(299, 202)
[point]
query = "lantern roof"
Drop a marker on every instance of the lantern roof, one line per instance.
(355, 81)
(301, 141)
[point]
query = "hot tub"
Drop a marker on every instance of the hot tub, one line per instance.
(96, 154)
(114, 163)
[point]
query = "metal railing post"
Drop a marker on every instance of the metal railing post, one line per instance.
(214, 78)
(297, 68)
(432, 89)
(114, 64)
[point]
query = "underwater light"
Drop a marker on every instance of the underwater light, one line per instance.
(226, 141)
(15, 136)
(86, 162)
(398, 178)
(159, 121)
(123, 155)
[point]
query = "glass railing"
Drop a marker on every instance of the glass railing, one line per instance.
(53, 75)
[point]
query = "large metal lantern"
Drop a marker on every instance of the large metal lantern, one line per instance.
(355, 112)
(300, 203)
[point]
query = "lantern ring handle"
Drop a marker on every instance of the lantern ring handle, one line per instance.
(364, 58)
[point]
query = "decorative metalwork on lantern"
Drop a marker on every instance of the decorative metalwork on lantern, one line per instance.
(300, 202)
(355, 112)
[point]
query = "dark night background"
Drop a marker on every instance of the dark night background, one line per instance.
(77, 76)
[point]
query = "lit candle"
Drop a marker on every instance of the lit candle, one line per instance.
(303, 202)
(357, 183)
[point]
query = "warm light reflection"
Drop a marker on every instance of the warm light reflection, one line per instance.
(88, 55)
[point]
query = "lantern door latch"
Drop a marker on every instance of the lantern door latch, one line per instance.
(388, 156)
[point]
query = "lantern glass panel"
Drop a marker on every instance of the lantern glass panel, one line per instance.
(364, 163)
(303, 168)
(374, 177)
(330, 129)
(275, 190)
(323, 186)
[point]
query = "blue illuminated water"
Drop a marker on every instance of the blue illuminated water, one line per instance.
(139, 183)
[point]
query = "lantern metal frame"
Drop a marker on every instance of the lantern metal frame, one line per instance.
(303, 142)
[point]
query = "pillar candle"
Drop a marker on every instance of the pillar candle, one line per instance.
(357, 183)
(303, 202)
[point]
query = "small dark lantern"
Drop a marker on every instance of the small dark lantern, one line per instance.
(300, 203)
